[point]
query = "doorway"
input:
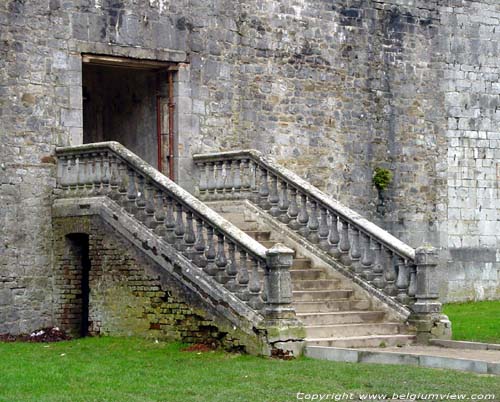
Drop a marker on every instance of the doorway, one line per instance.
(76, 270)
(131, 101)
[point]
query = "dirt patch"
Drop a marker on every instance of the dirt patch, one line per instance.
(42, 335)
(199, 347)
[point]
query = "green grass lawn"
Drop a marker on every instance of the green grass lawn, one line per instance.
(130, 369)
(475, 321)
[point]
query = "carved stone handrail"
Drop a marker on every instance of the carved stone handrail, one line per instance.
(371, 253)
(206, 239)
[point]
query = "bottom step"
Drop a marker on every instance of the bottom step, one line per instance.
(371, 341)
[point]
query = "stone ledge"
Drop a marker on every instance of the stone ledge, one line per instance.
(413, 359)
(464, 344)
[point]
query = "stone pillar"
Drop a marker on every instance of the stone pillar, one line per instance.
(426, 316)
(285, 334)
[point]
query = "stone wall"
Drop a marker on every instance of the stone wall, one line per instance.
(471, 84)
(126, 294)
(332, 89)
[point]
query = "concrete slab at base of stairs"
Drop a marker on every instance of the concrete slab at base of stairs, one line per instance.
(421, 360)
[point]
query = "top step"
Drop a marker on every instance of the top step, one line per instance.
(259, 235)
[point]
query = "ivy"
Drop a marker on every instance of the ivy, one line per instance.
(382, 178)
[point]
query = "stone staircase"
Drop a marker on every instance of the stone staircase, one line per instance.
(333, 313)
(329, 273)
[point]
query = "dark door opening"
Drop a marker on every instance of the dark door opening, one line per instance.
(84, 326)
(76, 272)
(132, 102)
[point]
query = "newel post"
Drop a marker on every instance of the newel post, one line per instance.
(279, 259)
(285, 334)
(426, 315)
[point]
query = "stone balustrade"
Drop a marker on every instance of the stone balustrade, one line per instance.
(216, 247)
(371, 254)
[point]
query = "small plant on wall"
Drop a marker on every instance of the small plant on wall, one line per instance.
(381, 179)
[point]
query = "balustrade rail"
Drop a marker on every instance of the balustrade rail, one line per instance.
(210, 242)
(371, 253)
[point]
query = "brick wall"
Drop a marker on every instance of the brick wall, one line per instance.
(126, 296)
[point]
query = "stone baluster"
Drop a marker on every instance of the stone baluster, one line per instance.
(390, 275)
(378, 268)
(355, 251)
(149, 209)
(345, 245)
(283, 204)
(236, 164)
(221, 260)
(334, 237)
(199, 246)
(231, 268)
(106, 172)
(402, 281)
(264, 190)
(412, 287)
(202, 183)
(122, 183)
(140, 201)
(89, 174)
(254, 286)
(210, 254)
(246, 185)
(219, 180)
(313, 224)
(254, 182)
(159, 215)
(228, 179)
(279, 260)
(114, 178)
(189, 236)
(131, 191)
(243, 277)
(367, 259)
(293, 210)
(179, 228)
(81, 179)
(303, 216)
(274, 197)
(211, 180)
(97, 173)
(265, 283)
(323, 230)
(170, 221)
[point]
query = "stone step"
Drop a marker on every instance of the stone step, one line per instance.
(325, 306)
(307, 274)
(316, 295)
(315, 284)
(341, 317)
(349, 330)
(268, 243)
(301, 263)
(371, 341)
(259, 235)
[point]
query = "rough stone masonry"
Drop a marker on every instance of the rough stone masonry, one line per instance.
(333, 89)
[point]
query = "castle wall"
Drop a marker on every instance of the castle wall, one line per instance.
(332, 89)
(471, 85)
